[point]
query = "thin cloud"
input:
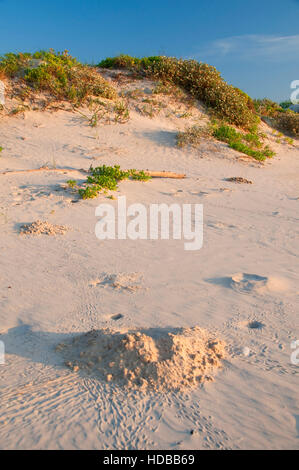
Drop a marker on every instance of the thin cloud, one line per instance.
(253, 46)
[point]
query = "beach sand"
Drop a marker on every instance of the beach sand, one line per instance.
(242, 286)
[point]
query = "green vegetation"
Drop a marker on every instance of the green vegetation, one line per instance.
(121, 111)
(72, 183)
(59, 74)
(205, 83)
(285, 104)
(266, 107)
(288, 122)
(288, 140)
(105, 178)
(248, 143)
(117, 111)
(282, 118)
(63, 77)
(124, 61)
(202, 81)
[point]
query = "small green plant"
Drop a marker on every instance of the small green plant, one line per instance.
(139, 175)
(1, 148)
(121, 111)
(72, 183)
(103, 178)
(148, 110)
(89, 192)
(99, 111)
(19, 109)
(288, 140)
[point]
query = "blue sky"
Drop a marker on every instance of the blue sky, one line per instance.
(255, 44)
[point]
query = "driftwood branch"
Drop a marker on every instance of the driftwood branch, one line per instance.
(43, 168)
(164, 174)
(153, 174)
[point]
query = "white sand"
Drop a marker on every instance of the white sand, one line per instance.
(242, 286)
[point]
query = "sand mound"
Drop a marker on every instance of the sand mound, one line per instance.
(147, 359)
(43, 228)
(247, 283)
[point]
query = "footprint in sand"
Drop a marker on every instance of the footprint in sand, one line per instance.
(220, 225)
(255, 325)
(117, 316)
(114, 317)
(101, 152)
(130, 282)
(253, 283)
(201, 193)
(175, 193)
(211, 193)
(75, 148)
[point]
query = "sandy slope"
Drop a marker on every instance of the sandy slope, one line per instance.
(48, 293)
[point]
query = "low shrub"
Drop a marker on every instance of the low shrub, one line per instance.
(266, 107)
(289, 123)
(282, 118)
(60, 74)
(249, 144)
(105, 178)
(120, 62)
(285, 104)
(124, 61)
(202, 81)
